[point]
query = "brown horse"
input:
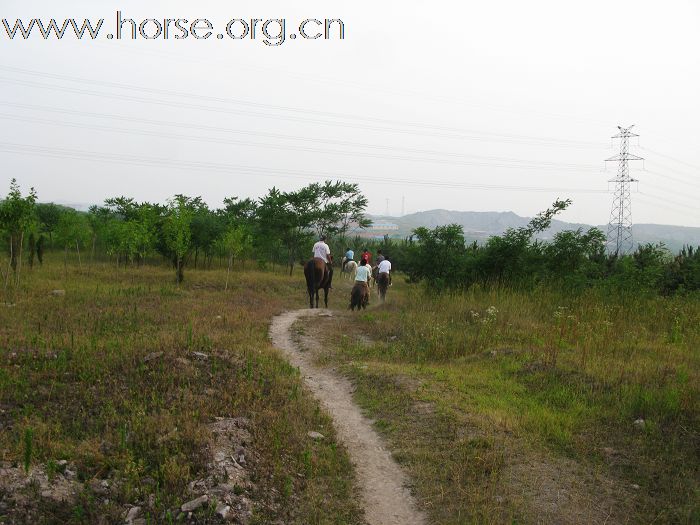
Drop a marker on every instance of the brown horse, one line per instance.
(383, 285)
(373, 277)
(319, 275)
(359, 296)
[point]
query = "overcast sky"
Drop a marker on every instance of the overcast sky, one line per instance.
(484, 106)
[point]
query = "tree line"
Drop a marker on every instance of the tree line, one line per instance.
(278, 227)
(573, 259)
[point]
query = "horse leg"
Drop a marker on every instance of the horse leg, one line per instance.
(325, 296)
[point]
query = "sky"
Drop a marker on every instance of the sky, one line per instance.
(472, 106)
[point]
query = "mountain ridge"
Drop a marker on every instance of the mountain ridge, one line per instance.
(480, 225)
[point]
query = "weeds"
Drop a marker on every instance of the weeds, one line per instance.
(550, 378)
(76, 385)
(28, 450)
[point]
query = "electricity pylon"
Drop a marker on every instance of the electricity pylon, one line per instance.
(620, 227)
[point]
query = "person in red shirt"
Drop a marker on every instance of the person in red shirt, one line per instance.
(366, 256)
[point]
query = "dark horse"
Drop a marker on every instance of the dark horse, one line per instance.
(382, 284)
(319, 275)
(359, 296)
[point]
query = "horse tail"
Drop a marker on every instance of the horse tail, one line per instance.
(309, 274)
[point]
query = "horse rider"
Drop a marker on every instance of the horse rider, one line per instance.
(322, 251)
(349, 256)
(384, 267)
(366, 256)
(362, 275)
(380, 257)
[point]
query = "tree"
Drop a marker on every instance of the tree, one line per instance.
(239, 214)
(322, 209)
(176, 229)
(48, 215)
(336, 206)
(286, 217)
(235, 241)
(127, 228)
(73, 230)
(440, 256)
(437, 256)
(207, 227)
(17, 217)
(571, 248)
(237, 211)
(683, 273)
(511, 256)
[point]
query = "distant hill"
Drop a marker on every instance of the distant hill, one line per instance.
(480, 226)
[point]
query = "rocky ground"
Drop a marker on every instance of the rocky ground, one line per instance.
(221, 496)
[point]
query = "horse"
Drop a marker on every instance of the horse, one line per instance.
(373, 277)
(349, 269)
(319, 275)
(383, 285)
(359, 296)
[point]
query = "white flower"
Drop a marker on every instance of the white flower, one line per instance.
(560, 312)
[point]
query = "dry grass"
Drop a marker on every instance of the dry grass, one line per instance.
(523, 412)
(508, 406)
(76, 380)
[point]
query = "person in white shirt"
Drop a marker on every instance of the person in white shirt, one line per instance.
(359, 296)
(363, 273)
(385, 267)
(322, 250)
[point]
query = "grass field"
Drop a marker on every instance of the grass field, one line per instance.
(503, 406)
(521, 406)
(107, 380)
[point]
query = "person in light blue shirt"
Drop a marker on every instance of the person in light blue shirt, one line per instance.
(349, 256)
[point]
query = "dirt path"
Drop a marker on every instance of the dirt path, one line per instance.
(386, 500)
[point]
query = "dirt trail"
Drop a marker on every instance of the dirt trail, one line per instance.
(382, 482)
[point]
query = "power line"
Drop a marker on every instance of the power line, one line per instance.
(84, 155)
(347, 82)
(684, 177)
(657, 201)
(672, 202)
(670, 177)
(487, 161)
(227, 100)
(676, 195)
(420, 131)
(674, 159)
(191, 126)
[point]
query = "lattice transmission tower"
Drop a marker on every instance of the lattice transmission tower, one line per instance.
(620, 240)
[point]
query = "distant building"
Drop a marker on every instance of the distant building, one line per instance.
(377, 230)
(383, 226)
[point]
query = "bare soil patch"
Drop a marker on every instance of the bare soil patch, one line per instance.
(386, 499)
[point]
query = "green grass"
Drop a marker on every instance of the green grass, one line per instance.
(467, 387)
(74, 385)
(495, 401)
